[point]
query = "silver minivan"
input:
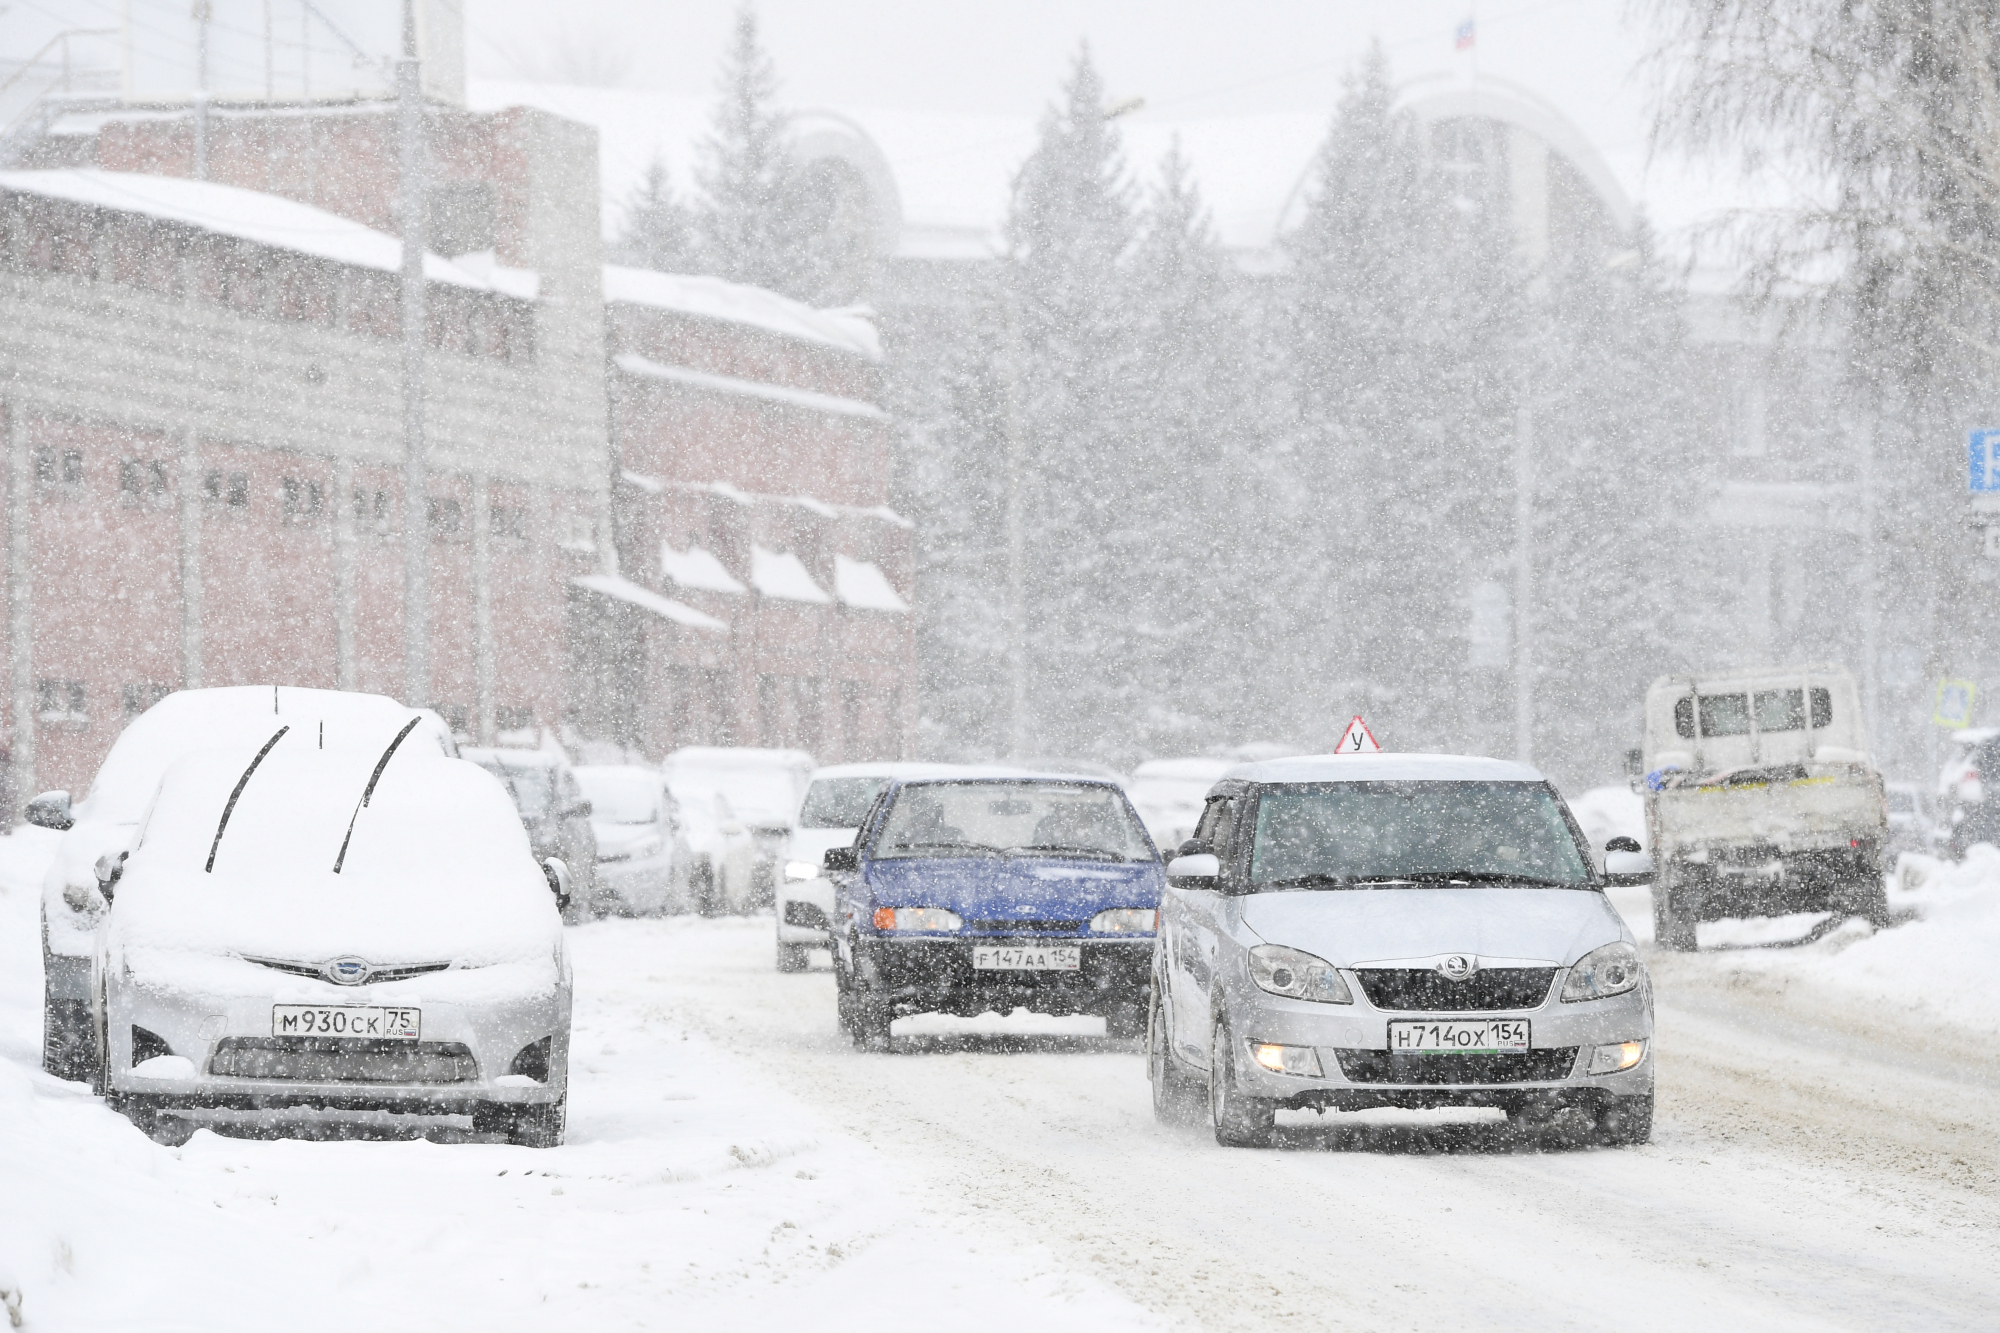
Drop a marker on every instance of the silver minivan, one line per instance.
(1360, 931)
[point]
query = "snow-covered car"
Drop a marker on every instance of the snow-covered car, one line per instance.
(108, 815)
(741, 804)
(301, 934)
(1969, 791)
(554, 811)
(1168, 794)
(1911, 826)
(642, 851)
(836, 800)
(974, 894)
(1357, 931)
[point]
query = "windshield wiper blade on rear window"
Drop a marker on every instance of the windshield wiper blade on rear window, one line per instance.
(1058, 849)
(230, 808)
(369, 790)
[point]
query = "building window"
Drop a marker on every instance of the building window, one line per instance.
(446, 516)
(226, 488)
(456, 716)
(304, 500)
(373, 512)
(508, 523)
(62, 700)
(513, 717)
(136, 699)
(58, 467)
(144, 481)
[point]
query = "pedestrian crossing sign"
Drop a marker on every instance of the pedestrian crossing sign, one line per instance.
(1357, 739)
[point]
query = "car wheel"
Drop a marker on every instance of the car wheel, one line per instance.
(69, 1038)
(1673, 927)
(1175, 1097)
(1125, 1022)
(1241, 1121)
(792, 957)
(706, 897)
(1623, 1122)
(1867, 898)
(865, 1020)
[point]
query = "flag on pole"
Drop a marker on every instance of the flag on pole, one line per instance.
(1463, 39)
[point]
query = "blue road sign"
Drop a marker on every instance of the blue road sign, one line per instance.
(1982, 457)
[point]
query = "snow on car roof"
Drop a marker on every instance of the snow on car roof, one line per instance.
(735, 756)
(438, 866)
(1385, 768)
(888, 768)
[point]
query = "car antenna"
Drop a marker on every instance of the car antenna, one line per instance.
(230, 808)
(274, 701)
(369, 790)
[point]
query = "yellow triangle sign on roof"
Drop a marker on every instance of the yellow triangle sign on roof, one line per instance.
(1357, 739)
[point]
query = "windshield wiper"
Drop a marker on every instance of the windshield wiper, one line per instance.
(1314, 881)
(230, 807)
(1483, 877)
(962, 846)
(369, 790)
(1058, 849)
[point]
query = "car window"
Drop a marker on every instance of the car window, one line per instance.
(1777, 710)
(839, 802)
(1218, 821)
(621, 797)
(1012, 818)
(533, 788)
(1329, 834)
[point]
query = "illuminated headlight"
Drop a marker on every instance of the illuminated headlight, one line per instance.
(916, 918)
(1300, 1060)
(1601, 973)
(1126, 921)
(796, 870)
(1617, 1058)
(1296, 974)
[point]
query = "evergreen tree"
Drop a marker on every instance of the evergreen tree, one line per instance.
(746, 172)
(658, 230)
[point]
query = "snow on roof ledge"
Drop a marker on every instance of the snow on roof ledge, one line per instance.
(634, 364)
(624, 590)
(781, 576)
(657, 485)
(265, 219)
(848, 329)
(696, 569)
(864, 586)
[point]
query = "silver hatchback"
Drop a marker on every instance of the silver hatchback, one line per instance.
(1395, 930)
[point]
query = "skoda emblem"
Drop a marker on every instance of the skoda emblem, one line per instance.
(1457, 966)
(348, 971)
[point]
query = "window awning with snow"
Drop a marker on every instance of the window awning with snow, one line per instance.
(781, 576)
(624, 590)
(864, 586)
(696, 569)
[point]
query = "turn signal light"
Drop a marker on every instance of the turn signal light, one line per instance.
(885, 918)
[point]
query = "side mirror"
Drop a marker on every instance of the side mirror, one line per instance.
(1195, 847)
(1623, 844)
(1197, 870)
(110, 869)
(50, 810)
(556, 871)
(841, 858)
(1623, 867)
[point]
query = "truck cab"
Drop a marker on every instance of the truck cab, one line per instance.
(1761, 798)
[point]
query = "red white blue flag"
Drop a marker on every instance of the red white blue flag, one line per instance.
(1463, 41)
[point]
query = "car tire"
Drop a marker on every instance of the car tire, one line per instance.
(1673, 927)
(707, 899)
(864, 1019)
(792, 957)
(1624, 1122)
(1176, 1098)
(1240, 1120)
(69, 1038)
(1868, 898)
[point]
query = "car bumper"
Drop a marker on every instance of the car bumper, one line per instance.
(937, 976)
(804, 907)
(1358, 1072)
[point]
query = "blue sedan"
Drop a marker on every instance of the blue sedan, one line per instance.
(975, 894)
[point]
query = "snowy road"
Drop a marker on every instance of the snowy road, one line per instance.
(733, 1163)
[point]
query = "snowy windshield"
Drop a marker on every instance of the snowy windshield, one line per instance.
(1333, 834)
(1012, 818)
(621, 796)
(840, 802)
(533, 788)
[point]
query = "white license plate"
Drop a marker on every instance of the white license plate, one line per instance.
(340, 1020)
(1027, 957)
(1471, 1036)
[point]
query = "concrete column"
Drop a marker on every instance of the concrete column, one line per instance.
(190, 515)
(482, 609)
(343, 573)
(20, 589)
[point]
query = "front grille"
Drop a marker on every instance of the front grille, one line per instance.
(1407, 1067)
(1424, 990)
(343, 1060)
(1025, 927)
(317, 971)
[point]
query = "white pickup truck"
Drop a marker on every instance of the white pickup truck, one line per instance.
(1761, 799)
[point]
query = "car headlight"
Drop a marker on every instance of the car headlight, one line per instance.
(916, 918)
(797, 870)
(1296, 974)
(1601, 973)
(1126, 921)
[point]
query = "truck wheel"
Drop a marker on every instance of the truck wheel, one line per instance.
(1673, 926)
(1867, 898)
(1176, 1099)
(1241, 1121)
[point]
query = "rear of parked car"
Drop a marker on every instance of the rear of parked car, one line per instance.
(743, 804)
(555, 813)
(642, 851)
(986, 894)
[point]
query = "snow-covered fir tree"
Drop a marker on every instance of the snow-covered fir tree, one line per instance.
(657, 231)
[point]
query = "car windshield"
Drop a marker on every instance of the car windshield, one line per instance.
(1055, 819)
(620, 797)
(533, 788)
(1337, 834)
(840, 802)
